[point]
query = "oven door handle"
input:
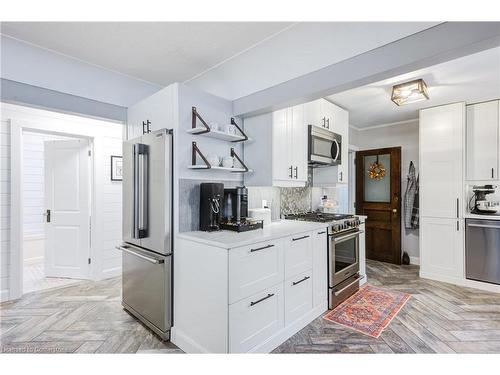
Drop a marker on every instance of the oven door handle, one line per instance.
(347, 237)
(337, 292)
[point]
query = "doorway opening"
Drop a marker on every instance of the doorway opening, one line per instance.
(56, 183)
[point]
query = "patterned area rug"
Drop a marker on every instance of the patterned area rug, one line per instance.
(369, 310)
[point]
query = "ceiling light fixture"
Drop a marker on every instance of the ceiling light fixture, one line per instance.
(409, 92)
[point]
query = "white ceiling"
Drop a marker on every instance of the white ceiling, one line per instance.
(473, 78)
(230, 60)
(157, 52)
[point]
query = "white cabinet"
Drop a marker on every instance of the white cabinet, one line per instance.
(320, 113)
(441, 161)
(442, 248)
(320, 267)
(298, 296)
(253, 297)
(298, 254)
(158, 109)
(255, 319)
(441, 192)
(254, 268)
(482, 141)
(279, 148)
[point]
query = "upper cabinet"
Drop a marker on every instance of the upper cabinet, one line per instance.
(279, 150)
(483, 130)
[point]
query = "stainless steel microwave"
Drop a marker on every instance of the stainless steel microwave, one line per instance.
(324, 147)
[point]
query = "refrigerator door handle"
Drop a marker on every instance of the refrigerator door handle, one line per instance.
(141, 189)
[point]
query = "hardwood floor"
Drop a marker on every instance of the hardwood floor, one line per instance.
(87, 318)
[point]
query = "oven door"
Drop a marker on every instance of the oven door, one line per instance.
(343, 257)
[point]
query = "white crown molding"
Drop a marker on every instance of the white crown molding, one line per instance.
(384, 125)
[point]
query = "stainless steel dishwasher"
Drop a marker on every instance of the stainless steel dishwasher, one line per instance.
(482, 250)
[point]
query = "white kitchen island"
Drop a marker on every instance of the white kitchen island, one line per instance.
(248, 292)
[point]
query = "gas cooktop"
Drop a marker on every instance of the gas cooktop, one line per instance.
(318, 217)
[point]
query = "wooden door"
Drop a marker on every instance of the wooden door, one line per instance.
(380, 200)
(67, 196)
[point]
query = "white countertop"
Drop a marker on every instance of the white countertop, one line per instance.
(227, 239)
(482, 217)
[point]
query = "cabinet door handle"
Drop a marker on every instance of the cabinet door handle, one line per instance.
(261, 248)
(457, 208)
(291, 171)
(457, 226)
(340, 176)
(324, 122)
(492, 172)
(296, 172)
(322, 232)
(301, 280)
(299, 238)
(262, 299)
(328, 123)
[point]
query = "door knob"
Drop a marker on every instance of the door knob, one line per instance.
(394, 210)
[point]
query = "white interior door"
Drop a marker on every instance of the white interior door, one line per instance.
(67, 196)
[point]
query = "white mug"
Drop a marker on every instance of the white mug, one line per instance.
(228, 162)
(213, 159)
(230, 129)
(213, 125)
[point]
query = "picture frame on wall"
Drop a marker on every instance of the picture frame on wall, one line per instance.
(116, 168)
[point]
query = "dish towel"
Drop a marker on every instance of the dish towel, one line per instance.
(411, 199)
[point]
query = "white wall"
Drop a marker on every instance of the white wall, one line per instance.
(406, 136)
(106, 204)
(32, 65)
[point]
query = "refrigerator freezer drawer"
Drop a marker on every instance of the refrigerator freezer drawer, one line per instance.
(482, 250)
(146, 287)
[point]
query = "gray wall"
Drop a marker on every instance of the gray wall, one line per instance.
(406, 136)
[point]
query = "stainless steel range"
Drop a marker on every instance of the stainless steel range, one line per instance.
(343, 253)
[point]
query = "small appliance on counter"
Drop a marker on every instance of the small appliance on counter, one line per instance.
(478, 203)
(236, 211)
(211, 206)
(261, 214)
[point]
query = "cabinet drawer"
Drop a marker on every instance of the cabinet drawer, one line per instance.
(298, 254)
(255, 319)
(254, 268)
(298, 296)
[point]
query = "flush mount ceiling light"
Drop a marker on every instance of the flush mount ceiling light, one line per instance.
(409, 92)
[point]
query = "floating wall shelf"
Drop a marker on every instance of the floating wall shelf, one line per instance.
(196, 151)
(206, 131)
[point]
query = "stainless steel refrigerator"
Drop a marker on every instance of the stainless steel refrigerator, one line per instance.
(147, 230)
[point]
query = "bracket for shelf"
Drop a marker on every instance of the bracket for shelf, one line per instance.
(196, 115)
(235, 155)
(195, 150)
(240, 130)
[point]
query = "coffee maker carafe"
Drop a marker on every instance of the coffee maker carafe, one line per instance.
(211, 206)
(236, 204)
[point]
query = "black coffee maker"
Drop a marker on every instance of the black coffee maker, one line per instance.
(211, 206)
(236, 211)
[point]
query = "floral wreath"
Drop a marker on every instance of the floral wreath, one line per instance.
(376, 171)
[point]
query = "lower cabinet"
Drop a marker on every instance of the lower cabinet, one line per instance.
(298, 254)
(441, 248)
(320, 268)
(298, 296)
(255, 319)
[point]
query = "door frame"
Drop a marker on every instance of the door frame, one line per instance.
(360, 186)
(17, 127)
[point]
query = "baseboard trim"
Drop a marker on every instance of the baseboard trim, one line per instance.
(462, 282)
(415, 261)
(4, 295)
(111, 272)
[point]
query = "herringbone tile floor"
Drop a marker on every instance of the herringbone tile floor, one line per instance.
(88, 318)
